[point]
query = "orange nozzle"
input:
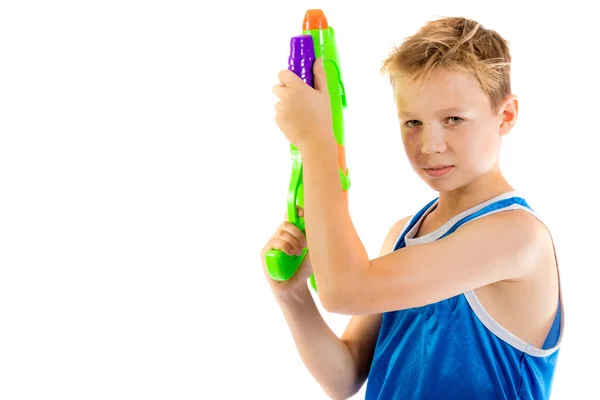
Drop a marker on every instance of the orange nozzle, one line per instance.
(315, 19)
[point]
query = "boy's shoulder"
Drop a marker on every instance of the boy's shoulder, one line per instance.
(520, 226)
(520, 223)
(513, 245)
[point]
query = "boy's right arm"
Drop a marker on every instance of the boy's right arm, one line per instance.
(339, 365)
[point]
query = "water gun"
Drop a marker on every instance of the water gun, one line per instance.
(316, 41)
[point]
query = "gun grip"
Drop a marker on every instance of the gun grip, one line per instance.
(281, 266)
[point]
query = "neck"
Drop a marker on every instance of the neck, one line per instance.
(484, 188)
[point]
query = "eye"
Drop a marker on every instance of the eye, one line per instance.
(412, 123)
(455, 120)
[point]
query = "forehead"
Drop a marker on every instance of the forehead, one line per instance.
(443, 89)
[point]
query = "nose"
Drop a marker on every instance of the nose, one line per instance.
(432, 139)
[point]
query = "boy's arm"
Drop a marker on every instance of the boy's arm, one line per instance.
(339, 365)
(506, 246)
(326, 357)
(502, 246)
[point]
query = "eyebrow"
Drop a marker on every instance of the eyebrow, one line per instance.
(444, 111)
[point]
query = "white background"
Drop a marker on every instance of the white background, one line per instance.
(141, 172)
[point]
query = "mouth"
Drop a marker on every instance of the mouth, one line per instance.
(438, 170)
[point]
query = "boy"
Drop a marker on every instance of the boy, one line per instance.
(463, 301)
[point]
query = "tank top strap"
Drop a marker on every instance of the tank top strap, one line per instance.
(508, 203)
(401, 242)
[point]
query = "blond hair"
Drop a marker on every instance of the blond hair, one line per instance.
(459, 44)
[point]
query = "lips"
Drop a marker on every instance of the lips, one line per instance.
(438, 167)
(438, 170)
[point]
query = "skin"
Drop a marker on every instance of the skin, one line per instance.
(446, 120)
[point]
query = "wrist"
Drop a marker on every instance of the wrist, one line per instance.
(296, 297)
(327, 146)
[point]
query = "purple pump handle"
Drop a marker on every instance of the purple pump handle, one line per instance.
(302, 58)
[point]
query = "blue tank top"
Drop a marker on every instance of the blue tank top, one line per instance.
(454, 349)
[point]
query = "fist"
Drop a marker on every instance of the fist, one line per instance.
(303, 113)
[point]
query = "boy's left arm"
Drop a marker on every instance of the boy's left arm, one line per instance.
(501, 246)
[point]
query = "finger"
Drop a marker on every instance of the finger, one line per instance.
(293, 240)
(285, 246)
(289, 79)
(320, 77)
(299, 212)
(279, 91)
(295, 232)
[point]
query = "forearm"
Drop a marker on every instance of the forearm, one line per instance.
(337, 253)
(324, 354)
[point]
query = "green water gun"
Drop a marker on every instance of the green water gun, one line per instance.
(317, 41)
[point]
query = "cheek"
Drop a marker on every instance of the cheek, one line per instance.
(480, 149)
(488, 143)
(411, 144)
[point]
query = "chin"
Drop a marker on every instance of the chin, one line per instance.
(442, 184)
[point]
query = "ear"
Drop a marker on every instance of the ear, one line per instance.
(509, 111)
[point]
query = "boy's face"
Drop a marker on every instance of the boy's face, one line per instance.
(450, 133)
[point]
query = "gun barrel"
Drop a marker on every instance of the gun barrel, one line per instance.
(316, 25)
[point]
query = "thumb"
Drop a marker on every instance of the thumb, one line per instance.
(320, 78)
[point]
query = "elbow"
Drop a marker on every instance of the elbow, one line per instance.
(340, 395)
(329, 301)
(344, 293)
(340, 299)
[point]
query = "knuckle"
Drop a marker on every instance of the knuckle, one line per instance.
(282, 74)
(277, 244)
(265, 249)
(285, 235)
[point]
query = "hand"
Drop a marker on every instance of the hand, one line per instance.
(289, 239)
(302, 113)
